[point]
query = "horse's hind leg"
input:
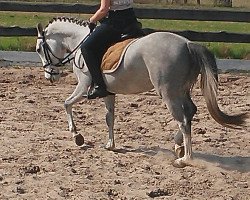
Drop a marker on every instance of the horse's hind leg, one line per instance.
(190, 110)
(179, 148)
(183, 109)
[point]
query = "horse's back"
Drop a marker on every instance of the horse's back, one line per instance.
(164, 38)
(158, 58)
(166, 56)
(156, 47)
(166, 35)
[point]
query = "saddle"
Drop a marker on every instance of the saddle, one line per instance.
(114, 54)
(111, 58)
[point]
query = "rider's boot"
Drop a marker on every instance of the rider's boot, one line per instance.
(99, 87)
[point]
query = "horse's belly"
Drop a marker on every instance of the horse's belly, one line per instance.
(134, 88)
(132, 76)
(127, 82)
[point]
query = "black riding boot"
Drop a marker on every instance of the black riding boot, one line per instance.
(99, 87)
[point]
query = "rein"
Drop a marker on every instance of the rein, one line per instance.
(62, 61)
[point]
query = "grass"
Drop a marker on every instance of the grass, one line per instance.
(221, 50)
(62, 1)
(242, 4)
(162, 3)
(25, 20)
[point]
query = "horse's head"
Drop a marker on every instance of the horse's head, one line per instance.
(51, 50)
(58, 42)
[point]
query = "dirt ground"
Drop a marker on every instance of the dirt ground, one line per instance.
(39, 159)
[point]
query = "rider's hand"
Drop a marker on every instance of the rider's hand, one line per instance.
(92, 26)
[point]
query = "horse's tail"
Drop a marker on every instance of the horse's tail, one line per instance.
(205, 61)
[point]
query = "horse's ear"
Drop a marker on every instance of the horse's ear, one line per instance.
(39, 28)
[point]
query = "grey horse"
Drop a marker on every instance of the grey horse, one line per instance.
(163, 61)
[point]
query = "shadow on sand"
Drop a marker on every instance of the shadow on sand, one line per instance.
(238, 163)
(152, 151)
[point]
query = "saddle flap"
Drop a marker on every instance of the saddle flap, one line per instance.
(114, 55)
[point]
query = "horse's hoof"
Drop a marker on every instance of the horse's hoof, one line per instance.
(179, 163)
(79, 139)
(110, 148)
(179, 150)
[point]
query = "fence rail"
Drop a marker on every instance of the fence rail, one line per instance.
(142, 13)
(191, 35)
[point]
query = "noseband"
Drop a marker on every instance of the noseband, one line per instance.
(61, 61)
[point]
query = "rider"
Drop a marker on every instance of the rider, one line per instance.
(116, 17)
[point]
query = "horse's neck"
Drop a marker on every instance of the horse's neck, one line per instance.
(73, 41)
(70, 33)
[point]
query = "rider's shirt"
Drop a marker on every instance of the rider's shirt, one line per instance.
(120, 4)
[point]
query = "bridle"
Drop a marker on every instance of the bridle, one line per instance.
(61, 61)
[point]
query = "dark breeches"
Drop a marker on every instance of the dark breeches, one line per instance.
(98, 42)
(108, 33)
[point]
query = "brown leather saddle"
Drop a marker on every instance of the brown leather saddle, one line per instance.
(112, 56)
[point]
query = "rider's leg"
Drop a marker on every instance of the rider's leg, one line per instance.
(99, 88)
(92, 50)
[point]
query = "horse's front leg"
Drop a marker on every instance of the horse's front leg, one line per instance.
(76, 96)
(110, 107)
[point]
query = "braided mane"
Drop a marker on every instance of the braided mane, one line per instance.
(68, 19)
